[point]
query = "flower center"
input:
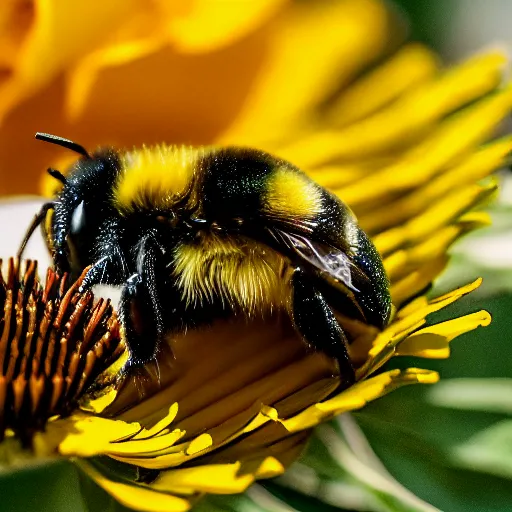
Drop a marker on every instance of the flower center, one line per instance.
(53, 343)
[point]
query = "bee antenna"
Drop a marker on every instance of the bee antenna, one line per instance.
(54, 173)
(65, 143)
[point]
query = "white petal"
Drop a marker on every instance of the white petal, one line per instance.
(15, 218)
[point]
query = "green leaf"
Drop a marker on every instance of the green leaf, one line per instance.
(53, 487)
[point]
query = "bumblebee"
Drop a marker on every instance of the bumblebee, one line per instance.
(194, 233)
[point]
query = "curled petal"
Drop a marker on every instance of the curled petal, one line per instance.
(433, 342)
(358, 396)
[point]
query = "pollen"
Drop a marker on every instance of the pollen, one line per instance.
(54, 342)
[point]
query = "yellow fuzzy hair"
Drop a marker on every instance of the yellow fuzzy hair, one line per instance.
(236, 271)
(292, 194)
(155, 177)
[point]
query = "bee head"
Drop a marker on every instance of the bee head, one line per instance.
(81, 203)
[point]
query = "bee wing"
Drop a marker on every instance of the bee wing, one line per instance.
(325, 258)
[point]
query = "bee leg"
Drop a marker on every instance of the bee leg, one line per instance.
(136, 314)
(110, 266)
(97, 274)
(314, 320)
(38, 221)
(141, 307)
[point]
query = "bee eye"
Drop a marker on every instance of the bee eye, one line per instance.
(78, 219)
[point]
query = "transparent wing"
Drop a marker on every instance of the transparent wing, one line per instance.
(327, 259)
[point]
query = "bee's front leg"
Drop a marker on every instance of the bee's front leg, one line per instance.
(315, 322)
(110, 266)
(141, 307)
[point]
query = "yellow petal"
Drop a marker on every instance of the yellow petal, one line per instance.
(410, 66)
(334, 176)
(218, 479)
(88, 435)
(357, 396)
(16, 19)
(199, 444)
(178, 454)
(433, 341)
(338, 37)
(418, 280)
(473, 168)
(82, 79)
(407, 261)
(450, 297)
(410, 308)
(205, 443)
(404, 262)
(273, 440)
(146, 448)
(407, 119)
(385, 345)
(181, 109)
(202, 26)
(166, 454)
(101, 402)
(432, 219)
(456, 136)
(160, 425)
(138, 497)
(205, 25)
(269, 468)
(417, 263)
(73, 28)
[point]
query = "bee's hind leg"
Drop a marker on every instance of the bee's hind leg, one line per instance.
(315, 322)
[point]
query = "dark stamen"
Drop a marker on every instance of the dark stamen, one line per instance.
(54, 343)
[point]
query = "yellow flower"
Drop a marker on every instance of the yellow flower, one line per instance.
(406, 144)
